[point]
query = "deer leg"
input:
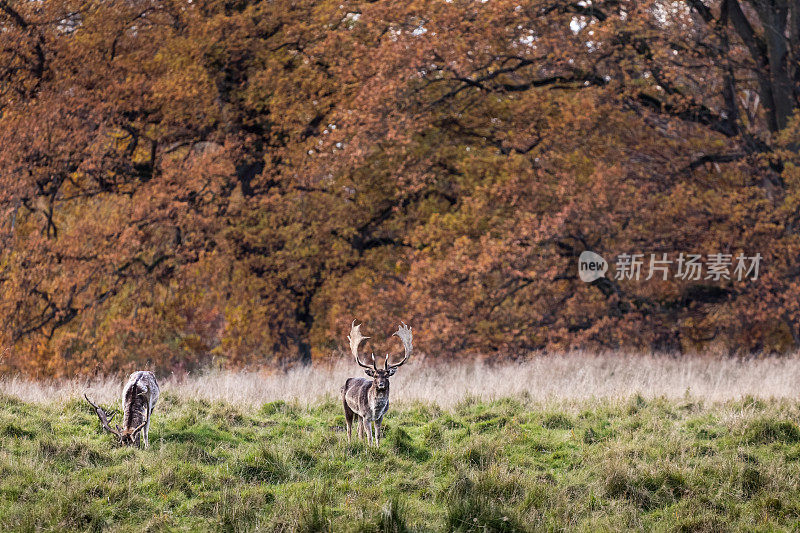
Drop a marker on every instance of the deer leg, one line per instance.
(348, 417)
(360, 428)
(378, 423)
(147, 430)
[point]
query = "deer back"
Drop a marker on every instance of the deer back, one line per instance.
(138, 398)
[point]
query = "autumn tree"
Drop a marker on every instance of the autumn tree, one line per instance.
(186, 183)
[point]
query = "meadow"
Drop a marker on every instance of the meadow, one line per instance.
(602, 447)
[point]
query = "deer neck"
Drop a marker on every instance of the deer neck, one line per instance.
(378, 397)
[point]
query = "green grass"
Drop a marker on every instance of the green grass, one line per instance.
(499, 466)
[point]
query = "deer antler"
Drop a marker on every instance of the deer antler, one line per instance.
(102, 416)
(139, 428)
(404, 332)
(355, 339)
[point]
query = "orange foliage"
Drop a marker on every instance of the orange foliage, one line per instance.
(230, 183)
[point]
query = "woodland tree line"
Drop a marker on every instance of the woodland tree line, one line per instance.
(193, 182)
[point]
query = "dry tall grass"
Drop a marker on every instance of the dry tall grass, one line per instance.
(571, 376)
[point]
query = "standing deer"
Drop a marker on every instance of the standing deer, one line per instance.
(139, 398)
(365, 399)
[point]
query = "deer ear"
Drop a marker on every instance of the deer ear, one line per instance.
(370, 372)
(392, 371)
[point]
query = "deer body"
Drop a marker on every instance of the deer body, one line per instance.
(139, 397)
(367, 400)
(363, 400)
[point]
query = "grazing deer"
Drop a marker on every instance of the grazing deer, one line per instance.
(139, 398)
(365, 399)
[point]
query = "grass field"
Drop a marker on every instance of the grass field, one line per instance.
(511, 464)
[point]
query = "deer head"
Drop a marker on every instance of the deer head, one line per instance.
(380, 376)
(127, 436)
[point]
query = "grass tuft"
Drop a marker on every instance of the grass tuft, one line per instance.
(263, 465)
(767, 430)
(557, 421)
